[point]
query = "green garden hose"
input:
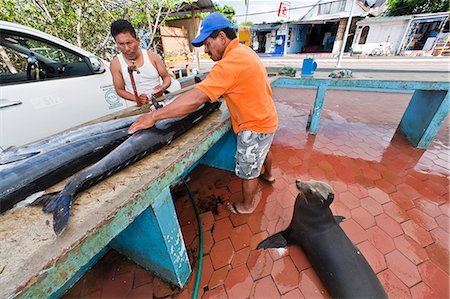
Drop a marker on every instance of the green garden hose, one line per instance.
(200, 252)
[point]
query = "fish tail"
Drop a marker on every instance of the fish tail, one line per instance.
(61, 212)
(44, 200)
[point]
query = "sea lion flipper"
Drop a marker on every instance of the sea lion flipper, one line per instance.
(339, 219)
(276, 241)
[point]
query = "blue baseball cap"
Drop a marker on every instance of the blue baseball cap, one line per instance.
(212, 22)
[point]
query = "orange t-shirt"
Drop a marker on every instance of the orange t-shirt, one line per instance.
(241, 78)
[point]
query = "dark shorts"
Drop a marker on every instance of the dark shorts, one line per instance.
(252, 149)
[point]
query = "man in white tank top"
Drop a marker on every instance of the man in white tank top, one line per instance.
(148, 67)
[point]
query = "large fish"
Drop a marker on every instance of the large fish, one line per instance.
(139, 145)
(38, 172)
(14, 154)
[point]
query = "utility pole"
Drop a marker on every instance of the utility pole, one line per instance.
(246, 9)
(344, 40)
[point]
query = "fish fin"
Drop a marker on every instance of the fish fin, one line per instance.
(61, 212)
(275, 241)
(339, 219)
(43, 199)
(16, 158)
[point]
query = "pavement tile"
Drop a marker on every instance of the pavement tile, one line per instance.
(392, 285)
(389, 225)
(264, 288)
(411, 249)
(441, 237)
(285, 274)
(222, 229)
(118, 287)
(422, 291)
(385, 186)
(259, 263)
(350, 201)
(143, 291)
(405, 202)
(238, 220)
(372, 206)
(380, 240)
(422, 219)
(238, 283)
(373, 256)
(435, 278)
(189, 234)
(272, 210)
(364, 218)
(241, 237)
(394, 211)
(294, 294)
(207, 220)
(258, 238)
(379, 195)
(218, 277)
(299, 258)
(217, 293)
(311, 286)
(257, 222)
(439, 256)
(240, 257)
(443, 221)
(445, 209)
(221, 253)
(354, 231)
(403, 268)
(416, 232)
(208, 242)
(207, 271)
(142, 277)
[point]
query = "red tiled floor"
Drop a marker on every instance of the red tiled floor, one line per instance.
(285, 274)
(264, 288)
(259, 263)
(395, 199)
(411, 249)
(238, 283)
(221, 253)
(403, 268)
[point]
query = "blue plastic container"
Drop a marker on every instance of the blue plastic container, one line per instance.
(308, 68)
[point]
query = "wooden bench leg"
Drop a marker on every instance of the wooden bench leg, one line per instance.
(155, 242)
(318, 105)
(424, 116)
(221, 154)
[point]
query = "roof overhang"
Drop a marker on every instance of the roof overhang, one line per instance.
(265, 27)
(197, 6)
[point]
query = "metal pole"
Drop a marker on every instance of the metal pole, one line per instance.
(344, 40)
(246, 9)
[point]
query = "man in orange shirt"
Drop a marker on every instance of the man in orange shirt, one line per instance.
(241, 78)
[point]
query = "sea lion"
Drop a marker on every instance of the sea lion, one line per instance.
(339, 264)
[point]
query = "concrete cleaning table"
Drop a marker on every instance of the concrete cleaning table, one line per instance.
(132, 211)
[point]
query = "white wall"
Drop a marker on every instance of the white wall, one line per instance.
(386, 32)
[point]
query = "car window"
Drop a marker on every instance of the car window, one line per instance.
(25, 59)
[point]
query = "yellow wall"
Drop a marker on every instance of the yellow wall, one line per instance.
(244, 36)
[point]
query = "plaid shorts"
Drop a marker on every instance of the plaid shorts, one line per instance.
(252, 149)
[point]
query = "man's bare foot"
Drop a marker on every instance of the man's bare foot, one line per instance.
(269, 179)
(236, 208)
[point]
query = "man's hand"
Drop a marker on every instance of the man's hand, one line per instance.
(158, 91)
(143, 122)
(142, 100)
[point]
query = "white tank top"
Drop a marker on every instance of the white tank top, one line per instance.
(147, 78)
